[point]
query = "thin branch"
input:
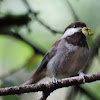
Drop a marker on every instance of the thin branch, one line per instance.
(13, 71)
(73, 11)
(94, 52)
(35, 14)
(96, 46)
(51, 29)
(10, 20)
(70, 93)
(49, 87)
(16, 35)
(92, 97)
(44, 95)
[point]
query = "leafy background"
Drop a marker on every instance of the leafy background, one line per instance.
(48, 19)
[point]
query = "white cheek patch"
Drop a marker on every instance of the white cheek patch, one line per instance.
(70, 31)
(71, 47)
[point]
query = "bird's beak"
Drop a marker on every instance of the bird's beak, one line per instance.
(86, 31)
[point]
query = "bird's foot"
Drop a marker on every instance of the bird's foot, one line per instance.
(54, 80)
(83, 76)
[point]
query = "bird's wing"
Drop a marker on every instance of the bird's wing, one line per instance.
(46, 59)
(42, 67)
(51, 53)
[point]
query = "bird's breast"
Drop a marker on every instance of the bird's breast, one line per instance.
(68, 61)
(74, 62)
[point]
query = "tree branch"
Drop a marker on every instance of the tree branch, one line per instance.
(16, 35)
(13, 71)
(35, 14)
(70, 93)
(10, 20)
(49, 87)
(94, 52)
(86, 92)
(73, 11)
(44, 95)
(95, 47)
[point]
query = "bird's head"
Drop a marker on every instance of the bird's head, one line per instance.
(76, 27)
(76, 33)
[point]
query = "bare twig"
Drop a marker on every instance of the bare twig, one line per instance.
(73, 11)
(86, 93)
(51, 29)
(16, 35)
(95, 47)
(17, 20)
(93, 53)
(44, 95)
(70, 93)
(49, 87)
(13, 71)
(35, 14)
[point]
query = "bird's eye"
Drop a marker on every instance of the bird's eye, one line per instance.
(74, 26)
(86, 28)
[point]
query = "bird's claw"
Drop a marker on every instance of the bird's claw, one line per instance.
(54, 80)
(82, 75)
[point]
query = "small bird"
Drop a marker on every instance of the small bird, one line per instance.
(68, 55)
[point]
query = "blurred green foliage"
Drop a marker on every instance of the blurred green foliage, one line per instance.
(57, 14)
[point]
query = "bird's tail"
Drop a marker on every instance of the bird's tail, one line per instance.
(34, 79)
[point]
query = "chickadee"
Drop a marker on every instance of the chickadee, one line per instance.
(67, 56)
